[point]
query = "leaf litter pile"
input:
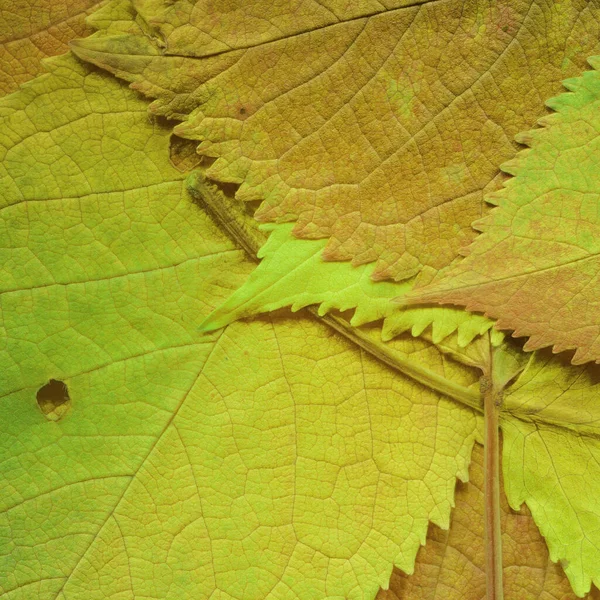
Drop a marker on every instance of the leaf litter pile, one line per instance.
(418, 181)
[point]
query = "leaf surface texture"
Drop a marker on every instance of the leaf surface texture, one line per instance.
(535, 266)
(31, 30)
(378, 133)
(271, 460)
(451, 566)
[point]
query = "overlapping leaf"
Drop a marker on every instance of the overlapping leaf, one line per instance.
(557, 402)
(551, 460)
(378, 132)
(536, 265)
(272, 460)
(451, 566)
(291, 273)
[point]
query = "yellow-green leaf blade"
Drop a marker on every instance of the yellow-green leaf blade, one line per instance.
(451, 565)
(550, 423)
(275, 484)
(104, 280)
(292, 273)
(557, 475)
(274, 459)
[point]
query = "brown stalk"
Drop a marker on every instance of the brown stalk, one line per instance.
(491, 470)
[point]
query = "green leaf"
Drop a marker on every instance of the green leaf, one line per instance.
(277, 459)
(271, 460)
(535, 266)
(292, 273)
(551, 460)
(452, 566)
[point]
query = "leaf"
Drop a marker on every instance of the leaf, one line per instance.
(184, 26)
(451, 565)
(380, 132)
(565, 409)
(31, 30)
(535, 266)
(271, 460)
(291, 273)
(550, 426)
(116, 16)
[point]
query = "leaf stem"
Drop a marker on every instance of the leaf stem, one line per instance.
(242, 229)
(491, 470)
(402, 363)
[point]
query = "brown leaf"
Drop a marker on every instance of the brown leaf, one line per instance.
(380, 132)
(535, 266)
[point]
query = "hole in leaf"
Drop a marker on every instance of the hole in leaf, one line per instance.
(183, 154)
(53, 399)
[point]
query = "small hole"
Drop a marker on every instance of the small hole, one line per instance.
(53, 399)
(242, 111)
